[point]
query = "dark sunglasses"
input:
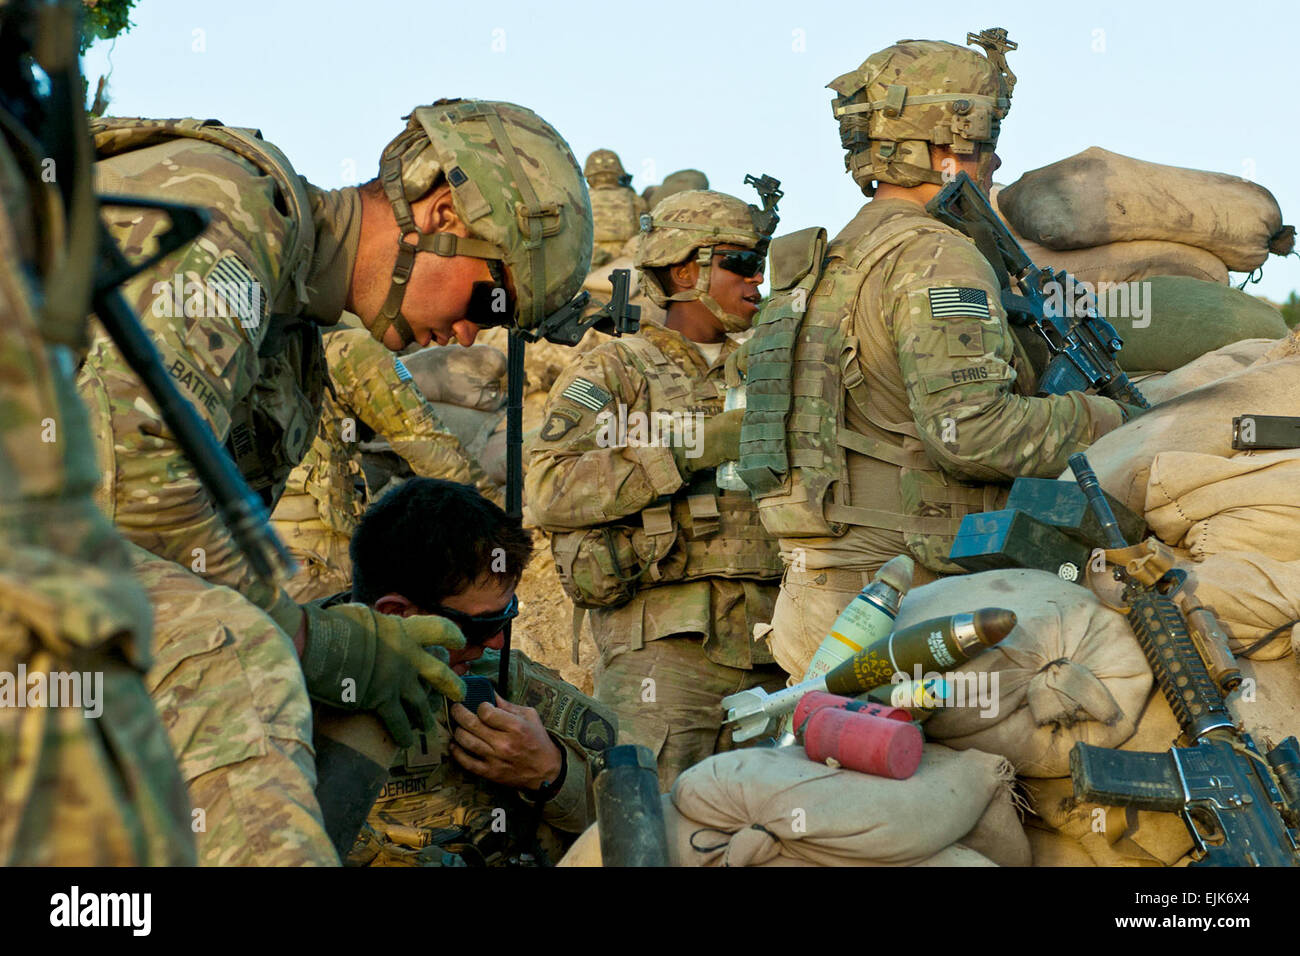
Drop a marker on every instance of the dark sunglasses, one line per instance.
(742, 262)
(490, 303)
(480, 628)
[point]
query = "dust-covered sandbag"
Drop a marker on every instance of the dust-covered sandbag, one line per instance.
(756, 805)
(1070, 670)
(1210, 367)
(469, 377)
(1168, 321)
(1098, 197)
(1253, 597)
(1207, 504)
(1121, 261)
(1197, 421)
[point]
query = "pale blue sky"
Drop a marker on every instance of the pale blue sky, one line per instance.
(729, 88)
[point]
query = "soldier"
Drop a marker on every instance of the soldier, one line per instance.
(615, 207)
(677, 573)
(923, 397)
(513, 774)
(87, 776)
(673, 184)
(494, 199)
(325, 495)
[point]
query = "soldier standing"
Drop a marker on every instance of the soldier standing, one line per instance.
(676, 572)
(909, 400)
(494, 199)
(615, 207)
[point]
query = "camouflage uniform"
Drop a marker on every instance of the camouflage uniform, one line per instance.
(325, 495)
(75, 790)
(690, 639)
(936, 392)
(227, 680)
(431, 805)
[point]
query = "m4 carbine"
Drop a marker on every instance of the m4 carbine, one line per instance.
(1241, 808)
(1072, 352)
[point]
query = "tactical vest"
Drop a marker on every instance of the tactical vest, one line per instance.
(700, 532)
(271, 429)
(803, 364)
(614, 214)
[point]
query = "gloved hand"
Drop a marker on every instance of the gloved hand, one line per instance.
(383, 657)
(736, 369)
(719, 441)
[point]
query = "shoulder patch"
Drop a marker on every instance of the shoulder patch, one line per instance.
(587, 394)
(234, 284)
(953, 301)
(559, 423)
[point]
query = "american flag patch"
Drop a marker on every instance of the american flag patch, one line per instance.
(587, 394)
(947, 303)
(403, 372)
(242, 294)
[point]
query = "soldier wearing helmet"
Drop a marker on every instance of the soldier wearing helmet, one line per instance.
(479, 217)
(929, 412)
(675, 573)
(615, 207)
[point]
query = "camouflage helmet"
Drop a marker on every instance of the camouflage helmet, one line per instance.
(604, 168)
(918, 92)
(675, 183)
(516, 186)
(692, 223)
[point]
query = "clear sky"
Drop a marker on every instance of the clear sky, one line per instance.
(729, 88)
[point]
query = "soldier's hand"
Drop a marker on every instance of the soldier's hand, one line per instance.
(358, 659)
(506, 744)
(1131, 412)
(718, 440)
(736, 369)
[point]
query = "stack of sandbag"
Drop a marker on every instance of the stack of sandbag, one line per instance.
(1196, 421)
(1069, 671)
(1267, 705)
(1121, 261)
(1098, 198)
(775, 807)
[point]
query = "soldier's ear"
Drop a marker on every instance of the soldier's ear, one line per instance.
(395, 604)
(436, 212)
(684, 275)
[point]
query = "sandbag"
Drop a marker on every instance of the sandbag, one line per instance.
(1121, 261)
(756, 805)
(1252, 596)
(1162, 386)
(1197, 421)
(1209, 504)
(1098, 197)
(469, 377)
(1168, 321)
(1069, 671)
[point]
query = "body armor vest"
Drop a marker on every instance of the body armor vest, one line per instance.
(803, 375)
(699, 532)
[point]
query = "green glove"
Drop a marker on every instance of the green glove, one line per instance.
(357, 659)
(719, 442)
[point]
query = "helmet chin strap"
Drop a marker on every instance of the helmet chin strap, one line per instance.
(700, 293)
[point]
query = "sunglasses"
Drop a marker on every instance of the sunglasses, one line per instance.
(480, 628)
(742, 262)
(490, 303)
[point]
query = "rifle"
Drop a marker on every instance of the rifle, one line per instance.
(1241, 808)
(51, 127)
(1072, 352)
(565, 327)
